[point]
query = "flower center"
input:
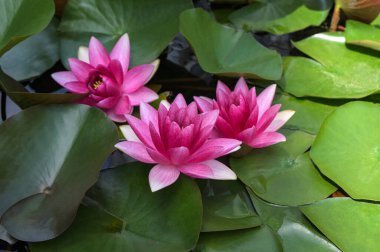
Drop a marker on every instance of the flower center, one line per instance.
(97, 83)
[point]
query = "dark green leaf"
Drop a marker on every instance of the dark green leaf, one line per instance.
(34, 55)
(122, 214)
(150, 25)
(328, 75)
(249, 240)
(50, 156)
(295, 232)
(226, 206)
(347, 149)
(351, 225)
(283, 173)
(279, 16)
(223, 50)
(20, 19)
(20, 95)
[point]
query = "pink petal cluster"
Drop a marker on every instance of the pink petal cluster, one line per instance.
(244, 116)
(177, 139)
(106, 79)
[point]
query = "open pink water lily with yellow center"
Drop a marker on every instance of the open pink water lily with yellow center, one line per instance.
(244, 116)
(106, 79)
(177, 139)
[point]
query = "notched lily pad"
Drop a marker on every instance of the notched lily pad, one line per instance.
(347, 149)
(283, 173)
(329, 76)
(44, 172)
(120, 213)
(227, 51)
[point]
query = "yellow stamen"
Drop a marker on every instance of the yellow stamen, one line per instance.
(96, 84)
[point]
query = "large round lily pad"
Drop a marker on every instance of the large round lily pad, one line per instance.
(34, 55)
(347, 149)
(120, 213)
(329, 76)
(279, 16)
(224, 50)
(150, 25)
(50, 156)
(352, 225)
(283, 173)
(21, 18)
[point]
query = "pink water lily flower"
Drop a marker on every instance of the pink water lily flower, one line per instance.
(177, 140)
(106, 80)
(246, 117)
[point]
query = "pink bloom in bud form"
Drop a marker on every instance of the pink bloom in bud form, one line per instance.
(106, 80)
(177, 139)
(244, 116)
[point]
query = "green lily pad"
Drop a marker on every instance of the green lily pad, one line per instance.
(150, 25)
(280, 17)
(351, 225)
(226, 206)
(309, 114)
(347, 149)
(34, 55)
(328, 75)
(295, 232)
(120, 213)
(20, 19)
(21, 96)
(283, 173)
(51, 155)
(224, 50)
(248, 240)
(361, 34)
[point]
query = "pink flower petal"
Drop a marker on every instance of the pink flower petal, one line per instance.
(141, 129)
(223, 88)
(156, 138)
(83, 54)
(115, 117)
(280, 119)
(214, 148)
(97, 53)
(180, 101)
(137, 77)
(204, 103)
(266, 139)
(148, 114)
(267, 118)
(136, 150)
(162, 176)
(107, 103)
(179, 155)
(76, 87)
(64, 77)
(143, 94)
(121, 52)
(115, 67)
(265, 99)
(80, 69)
(224, 128)
(157, 156)
(220, 171)
(196, 170)
(128, 133)
(123, 106)
(241, 87)
(247, 135)
(209, 118)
